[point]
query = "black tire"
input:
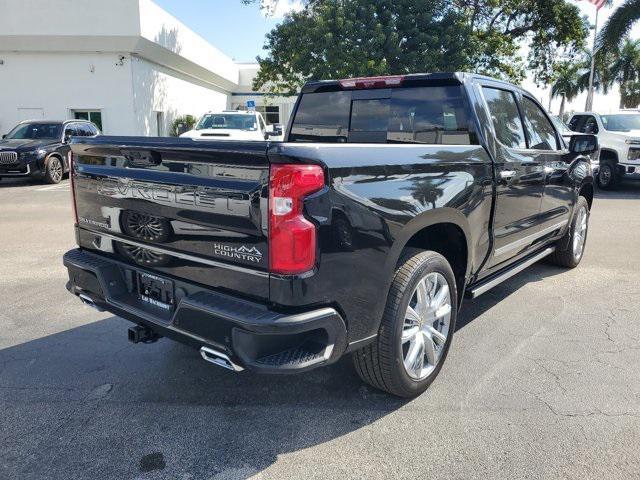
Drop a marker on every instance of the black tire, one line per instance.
(381, 363)
(54, 170)
(608, 177)
(565, 254)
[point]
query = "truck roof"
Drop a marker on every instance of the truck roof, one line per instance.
(412, 79)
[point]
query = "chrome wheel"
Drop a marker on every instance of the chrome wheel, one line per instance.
(426, 325)
(55, 169)
(580, 232)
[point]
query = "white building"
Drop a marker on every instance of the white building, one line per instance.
(125, 64)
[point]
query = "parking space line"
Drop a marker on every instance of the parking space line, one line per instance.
(59, 187)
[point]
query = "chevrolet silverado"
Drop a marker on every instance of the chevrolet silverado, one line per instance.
(390, 200)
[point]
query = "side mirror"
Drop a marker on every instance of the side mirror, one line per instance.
(4, 136)
(583, 144)
(67, 136)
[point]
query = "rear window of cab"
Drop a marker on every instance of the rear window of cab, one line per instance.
(421, 115)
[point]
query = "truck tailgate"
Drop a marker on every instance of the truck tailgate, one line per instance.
(197, 210)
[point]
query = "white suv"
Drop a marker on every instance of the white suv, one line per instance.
(619, 137)
(230, 125)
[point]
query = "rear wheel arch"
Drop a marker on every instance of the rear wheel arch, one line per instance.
(444, 231)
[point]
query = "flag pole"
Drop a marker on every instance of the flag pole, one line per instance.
(589, 104)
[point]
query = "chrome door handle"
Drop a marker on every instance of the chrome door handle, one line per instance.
(507, 174)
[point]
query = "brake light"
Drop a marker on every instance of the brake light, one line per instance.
(372, 82)
(292, 238)
(73, 188)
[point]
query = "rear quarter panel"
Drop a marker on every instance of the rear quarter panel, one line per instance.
(385, 193)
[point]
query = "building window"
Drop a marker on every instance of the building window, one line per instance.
(271, 113)
(94, 116)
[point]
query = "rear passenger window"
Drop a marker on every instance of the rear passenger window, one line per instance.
(542, 135)
(430, 115)
(505, 116)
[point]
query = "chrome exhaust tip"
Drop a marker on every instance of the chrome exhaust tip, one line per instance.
(218, 358)
(87, 300)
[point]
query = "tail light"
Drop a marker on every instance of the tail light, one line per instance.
(73, 188)
(292, 238)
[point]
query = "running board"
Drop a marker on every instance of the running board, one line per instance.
(491, 282)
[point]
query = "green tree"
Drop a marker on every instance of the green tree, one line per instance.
(567, 84)
(182, 124)
(500, 27)
(337, 39)
(625, 70)
(619, 25)
(331, 39)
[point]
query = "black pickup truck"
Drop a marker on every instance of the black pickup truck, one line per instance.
(390, 200)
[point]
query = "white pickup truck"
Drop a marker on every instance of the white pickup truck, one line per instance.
(230, 125)
(619, 137)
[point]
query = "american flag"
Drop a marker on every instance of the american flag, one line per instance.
(598, 3)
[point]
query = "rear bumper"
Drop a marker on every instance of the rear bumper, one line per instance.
(251, 334)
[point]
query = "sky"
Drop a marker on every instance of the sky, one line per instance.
(601, 103)
(239, 31)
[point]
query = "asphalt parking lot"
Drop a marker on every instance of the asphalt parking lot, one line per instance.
(542, 380)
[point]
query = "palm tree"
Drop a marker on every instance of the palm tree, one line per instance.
(567, 83)
(619, 25)
(625, 69)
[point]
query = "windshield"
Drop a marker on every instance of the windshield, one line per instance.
(30, 131)
(621, 123)
(228, 122)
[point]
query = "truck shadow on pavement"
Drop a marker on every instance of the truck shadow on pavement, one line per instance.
(84, 403)
(472, 309)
